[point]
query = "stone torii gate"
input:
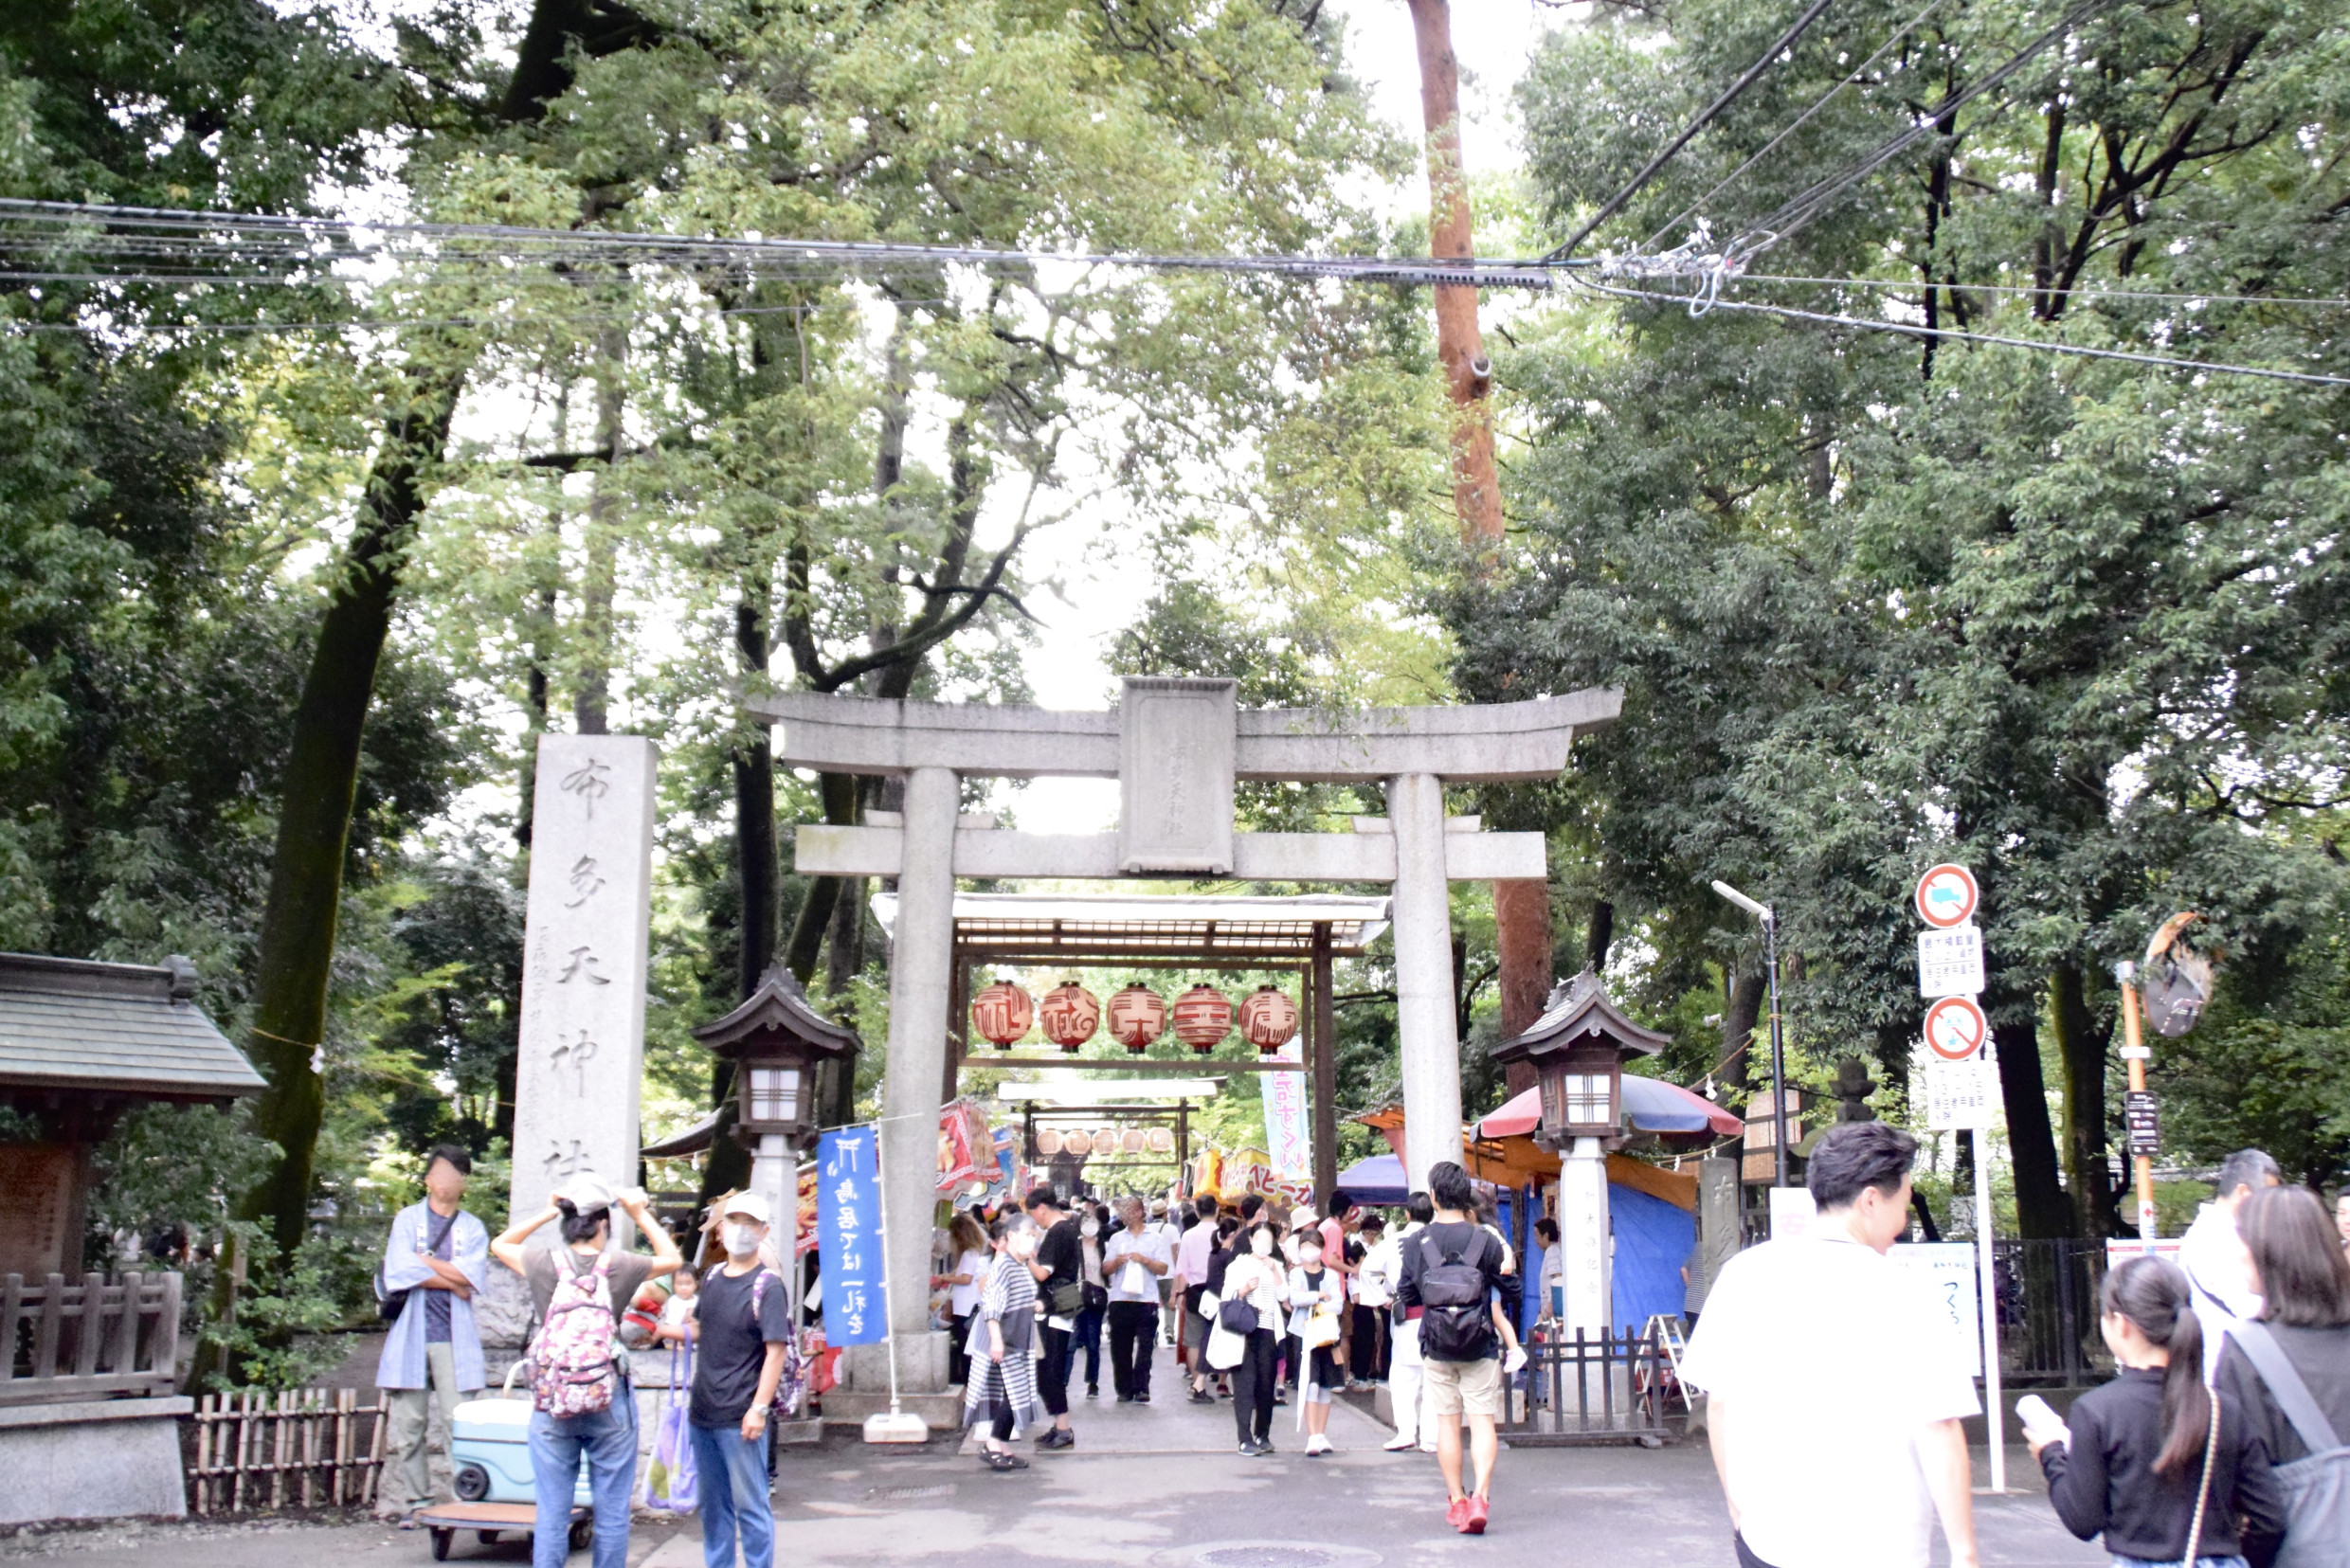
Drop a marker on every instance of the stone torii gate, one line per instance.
(1176, 746)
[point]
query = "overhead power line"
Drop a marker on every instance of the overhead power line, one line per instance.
(259, 245)
(1607, 208)
(2078, 291)
(2078, 351)
(1793, 214)
(1801, 120)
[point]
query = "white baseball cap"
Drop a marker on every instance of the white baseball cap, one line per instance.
(747, 1205)
(587, 1193)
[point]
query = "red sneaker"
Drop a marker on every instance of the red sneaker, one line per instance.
(1456, 1515)
(1478, 1513)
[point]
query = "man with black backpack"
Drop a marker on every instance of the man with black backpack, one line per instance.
(1452, 1273)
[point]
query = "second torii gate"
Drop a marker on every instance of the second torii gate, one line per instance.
(1177, 746)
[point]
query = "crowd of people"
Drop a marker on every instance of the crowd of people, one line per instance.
(1260, 1305)
(2218, 1445)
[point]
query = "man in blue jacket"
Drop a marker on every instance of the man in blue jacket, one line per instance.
(438, 1255)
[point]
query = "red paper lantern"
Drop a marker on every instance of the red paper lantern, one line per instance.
(1268, 1018)
(1137, 1016)
(1002, 1013)
(1071, 1013)
(1202, 1017)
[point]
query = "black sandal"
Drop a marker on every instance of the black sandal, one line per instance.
(1003, 1462)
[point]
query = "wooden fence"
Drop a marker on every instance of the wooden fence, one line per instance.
(91, 1340)
(309, 1447)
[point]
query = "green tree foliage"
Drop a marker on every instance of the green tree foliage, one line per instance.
(1877, 603)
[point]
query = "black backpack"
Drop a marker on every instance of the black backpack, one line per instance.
(1457, 1319)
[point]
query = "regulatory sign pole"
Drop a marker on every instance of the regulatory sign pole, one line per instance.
(1957, 1032)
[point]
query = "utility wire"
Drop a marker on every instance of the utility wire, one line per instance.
(2079, 291)
(1906, 329)
(1608, 207)
(1793, 214)
(313, 242)
(403, 324)
(1801, 120)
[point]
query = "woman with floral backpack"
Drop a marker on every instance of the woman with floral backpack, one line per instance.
(579, 1377)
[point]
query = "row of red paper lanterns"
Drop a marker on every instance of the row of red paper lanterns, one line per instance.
(1071, 1015)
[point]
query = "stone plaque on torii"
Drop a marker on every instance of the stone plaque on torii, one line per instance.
(1176, 746)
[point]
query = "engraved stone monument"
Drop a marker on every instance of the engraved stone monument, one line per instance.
(586, 925)
(1176, 749)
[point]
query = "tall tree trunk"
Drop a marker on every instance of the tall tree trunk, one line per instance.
(2041, 1207)
(754, 811)
(1522, 928)
(2081, 1057)
(839, 794)
(600, 576)
(290, 971)
(1468, 377)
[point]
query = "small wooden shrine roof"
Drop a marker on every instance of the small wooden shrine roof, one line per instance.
(117, 1029)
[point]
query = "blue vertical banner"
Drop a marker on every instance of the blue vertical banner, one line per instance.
(848, 1242)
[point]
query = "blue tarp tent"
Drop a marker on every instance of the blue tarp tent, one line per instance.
(1652, 1240)
(1652, 1237)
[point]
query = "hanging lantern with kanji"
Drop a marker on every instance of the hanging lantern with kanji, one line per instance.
(1202, 1017)
(1070, 1013)
(1268, 1018)
(1002, 1013)
(1137, 1016)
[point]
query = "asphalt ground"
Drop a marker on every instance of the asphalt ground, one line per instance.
(1156, 1486)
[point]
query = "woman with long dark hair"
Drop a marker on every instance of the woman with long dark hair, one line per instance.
(2146, 1460)
(2287, 1371)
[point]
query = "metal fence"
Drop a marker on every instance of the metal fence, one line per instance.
(1588, 1387)
(2047, 1293)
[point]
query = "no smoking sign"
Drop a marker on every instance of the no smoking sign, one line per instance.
(1956, 1028)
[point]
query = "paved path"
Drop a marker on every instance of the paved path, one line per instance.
(1149, 1487)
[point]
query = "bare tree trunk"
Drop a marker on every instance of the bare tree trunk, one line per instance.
(754, 812)
(2041, 1208)
(1468, 375)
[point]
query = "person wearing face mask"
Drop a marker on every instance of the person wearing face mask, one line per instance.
(1255, 1275)
(1315, 1294)
(745, 1321)
(1002, 1391)
(1086, 1330)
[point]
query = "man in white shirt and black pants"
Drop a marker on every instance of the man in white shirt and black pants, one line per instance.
(1137, 1259)
(1834, 1407)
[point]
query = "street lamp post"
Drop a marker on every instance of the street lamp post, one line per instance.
(1769, 917)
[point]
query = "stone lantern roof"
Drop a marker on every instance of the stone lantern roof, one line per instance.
(780, 1005)
(1579, 1015)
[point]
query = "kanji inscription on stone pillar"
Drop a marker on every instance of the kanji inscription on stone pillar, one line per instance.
(585, 950)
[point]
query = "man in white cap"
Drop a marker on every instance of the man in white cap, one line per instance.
(745, 1323)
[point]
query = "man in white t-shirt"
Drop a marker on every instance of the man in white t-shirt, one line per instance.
(1133, 1262)
(1832, 1407)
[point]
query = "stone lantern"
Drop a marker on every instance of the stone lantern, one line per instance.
(1578, 1047)
(777, 1042)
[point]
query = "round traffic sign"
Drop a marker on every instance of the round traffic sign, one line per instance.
(1946, 896)
(1955, 1028)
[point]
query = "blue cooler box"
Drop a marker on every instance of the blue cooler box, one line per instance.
(490, 1453)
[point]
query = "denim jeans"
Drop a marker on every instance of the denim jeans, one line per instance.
(608, 1441)
(735, 1500)
(1084, 1334)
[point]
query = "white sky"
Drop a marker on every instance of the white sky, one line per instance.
(1105, 585)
